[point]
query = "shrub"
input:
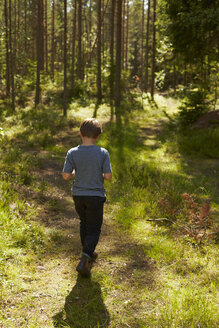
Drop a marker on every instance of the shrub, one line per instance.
(194, 105)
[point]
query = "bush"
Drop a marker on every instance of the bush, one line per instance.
(194, 105)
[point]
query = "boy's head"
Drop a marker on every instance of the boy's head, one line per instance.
(90, 128)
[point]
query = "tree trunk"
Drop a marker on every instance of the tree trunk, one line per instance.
(99, 91)
(102, 34)
(112, 65)
(147, 46)
(73, 45)
(18, 32)
(142, 46)
(7, 51)
(39, 49)
(25, 26)
(53, 40)
(154, 52)
(123, 35)
(127, 36)
(42, 36)
(65, 60)
(79, 68)
(15, 37)
(11, 59)
(118, 59)
(90, 24)
(46, 35)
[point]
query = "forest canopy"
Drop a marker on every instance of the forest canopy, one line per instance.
(105, 47)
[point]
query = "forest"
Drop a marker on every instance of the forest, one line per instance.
(148, 71)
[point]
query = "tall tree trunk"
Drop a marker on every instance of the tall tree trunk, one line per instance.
(112, 65)
(118, 59)
(142, 45)
(53, 40)
(42, 36)
(123, 35)
(127, 35)
(18, 30)
(25, 26)
(15, 37)
(65, 60)
(79, 68)
(46, 34)
(11, 59)
(99, 91)
(7, 51)
(103, 34)
(39, 49)
(154, 52)
(73, 45)
(147, 46)
(90, 24)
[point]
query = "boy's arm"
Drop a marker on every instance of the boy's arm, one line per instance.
(107, 176)
(68, 176)
(107, 170)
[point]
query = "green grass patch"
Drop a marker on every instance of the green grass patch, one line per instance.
(202, 143)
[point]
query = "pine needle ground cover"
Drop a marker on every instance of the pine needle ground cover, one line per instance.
(158, 254)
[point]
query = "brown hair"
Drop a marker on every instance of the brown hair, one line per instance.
(90, 128)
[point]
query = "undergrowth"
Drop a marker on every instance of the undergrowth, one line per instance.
(165, 273)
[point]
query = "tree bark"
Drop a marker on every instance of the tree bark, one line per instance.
(79, 68)
(123, 35)
(112, 65)
(127, 36)
(15, 37)
(147, 46)
(11, 59)
(25, 26)
(39, 49)
(7, 51)
(90, 23)
(142, 46)
(65, 60)
(99, 91)
(46, 34)
(42, 36)
(118, 59)
(53, 40)
(73, 45)
(154, 52)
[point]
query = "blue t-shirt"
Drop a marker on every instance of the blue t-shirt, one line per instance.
(89, 163)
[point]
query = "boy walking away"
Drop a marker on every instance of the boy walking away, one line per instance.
(89, 165)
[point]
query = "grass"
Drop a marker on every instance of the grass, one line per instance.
(150, 273)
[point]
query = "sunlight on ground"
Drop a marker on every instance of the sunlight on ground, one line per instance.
(79, 112)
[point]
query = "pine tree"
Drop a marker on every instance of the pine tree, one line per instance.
(118, 59)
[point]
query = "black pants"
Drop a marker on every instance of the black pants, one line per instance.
(90, 211)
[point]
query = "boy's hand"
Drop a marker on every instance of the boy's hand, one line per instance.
(107, 176)
(68, 176)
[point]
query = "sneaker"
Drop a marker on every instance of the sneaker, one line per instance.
(83, 266)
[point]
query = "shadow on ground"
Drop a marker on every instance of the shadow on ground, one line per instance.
(84, 307)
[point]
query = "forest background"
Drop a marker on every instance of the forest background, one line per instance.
(148, 69)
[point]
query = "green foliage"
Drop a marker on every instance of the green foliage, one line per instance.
(194, 105)
(193, 28)
(199, 143)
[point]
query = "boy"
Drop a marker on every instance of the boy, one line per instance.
(90, 165)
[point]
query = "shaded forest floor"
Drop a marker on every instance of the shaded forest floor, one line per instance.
(147, 274)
